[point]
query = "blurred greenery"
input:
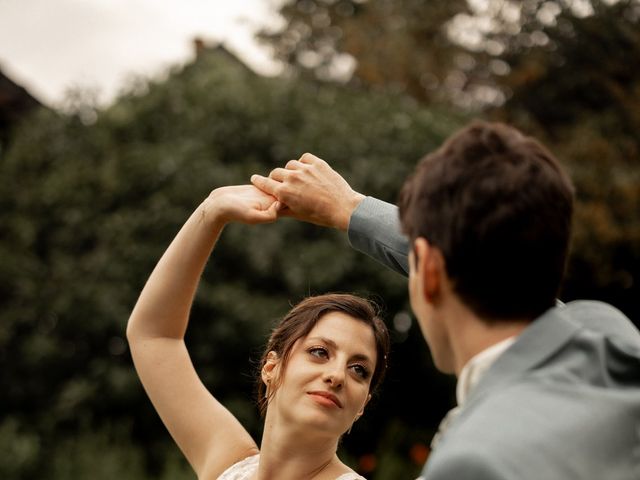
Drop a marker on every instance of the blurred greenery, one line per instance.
(90, 199)
(562, 70)
(94, 198)
(398, 45)
(581, 95)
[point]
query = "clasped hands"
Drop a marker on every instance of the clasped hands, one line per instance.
(307, 189)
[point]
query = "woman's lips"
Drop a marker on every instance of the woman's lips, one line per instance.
(325, 398)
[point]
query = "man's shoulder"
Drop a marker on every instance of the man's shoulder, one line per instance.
(464, 462)
(587, 308)
(529, 432)
(602, 318)
(571, 412)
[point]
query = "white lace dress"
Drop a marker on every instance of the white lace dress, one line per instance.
(247, 467)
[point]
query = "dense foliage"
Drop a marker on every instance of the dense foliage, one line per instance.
(92, 200)
(562, 70)
(580, 93)
(89, 201)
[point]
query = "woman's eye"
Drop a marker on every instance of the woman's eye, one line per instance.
(361, 371)
(319, 352)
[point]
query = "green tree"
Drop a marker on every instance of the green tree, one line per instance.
(559, 69)
(399, 45)
(578, 91)
(95, 197)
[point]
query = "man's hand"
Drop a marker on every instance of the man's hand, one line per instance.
(311, 191)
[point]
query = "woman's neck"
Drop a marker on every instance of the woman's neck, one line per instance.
(294, 453)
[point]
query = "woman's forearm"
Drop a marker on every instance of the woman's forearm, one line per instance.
(163, 307)
(208, 434)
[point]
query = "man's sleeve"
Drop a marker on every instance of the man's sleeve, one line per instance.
(374, 229)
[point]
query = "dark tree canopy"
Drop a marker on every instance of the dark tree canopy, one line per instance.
(89, 201)
(561, 70)
(398, 45)
(93, 200)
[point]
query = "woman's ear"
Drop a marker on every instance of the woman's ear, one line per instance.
(361, 411)
(269, 370)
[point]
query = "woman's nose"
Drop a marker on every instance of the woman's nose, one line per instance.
(334, 377)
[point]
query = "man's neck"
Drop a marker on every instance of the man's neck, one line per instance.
(470, 335)
(477, 366)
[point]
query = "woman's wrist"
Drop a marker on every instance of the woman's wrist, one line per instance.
(212, 212)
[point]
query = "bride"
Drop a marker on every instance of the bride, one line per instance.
(320, 367)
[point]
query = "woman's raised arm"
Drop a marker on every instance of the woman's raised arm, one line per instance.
(207, 433)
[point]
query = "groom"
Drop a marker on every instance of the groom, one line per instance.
(545, 390)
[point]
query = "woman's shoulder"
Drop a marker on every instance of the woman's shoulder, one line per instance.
(243, 469)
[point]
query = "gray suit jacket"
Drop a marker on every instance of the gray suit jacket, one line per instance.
(563, 402)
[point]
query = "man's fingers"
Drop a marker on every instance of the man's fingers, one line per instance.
(278, 174)
(265, 184)
(293, 165)
(308, 158)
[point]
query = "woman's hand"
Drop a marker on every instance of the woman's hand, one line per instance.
(241, 203)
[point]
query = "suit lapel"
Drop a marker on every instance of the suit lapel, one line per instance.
(540, 340)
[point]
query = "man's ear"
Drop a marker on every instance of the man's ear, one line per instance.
(270, 369)
(429, 265)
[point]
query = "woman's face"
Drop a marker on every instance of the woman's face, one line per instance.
(327, 377)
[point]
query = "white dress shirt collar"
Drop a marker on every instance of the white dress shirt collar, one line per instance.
(475, 368)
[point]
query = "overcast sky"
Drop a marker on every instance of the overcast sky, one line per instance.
(51, 46)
